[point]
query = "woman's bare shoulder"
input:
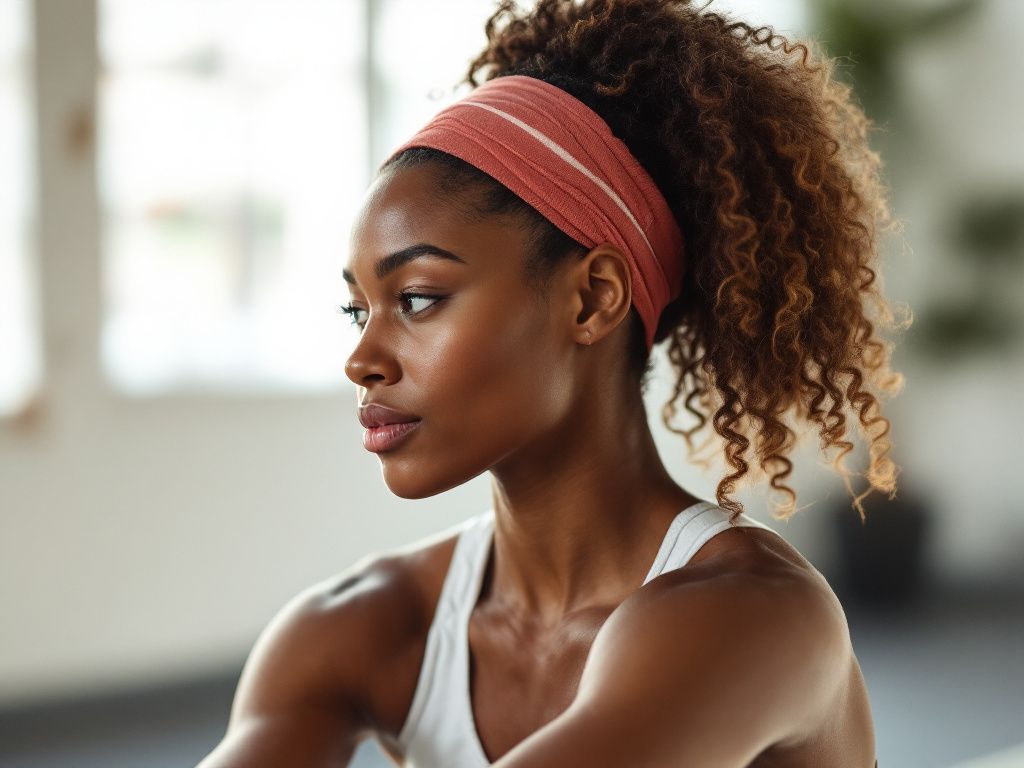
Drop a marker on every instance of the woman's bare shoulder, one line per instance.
(754, 549)
(749, 625)
(372, 619)
(737, 573)
(767, 646)
(387, 597)
(310, 683)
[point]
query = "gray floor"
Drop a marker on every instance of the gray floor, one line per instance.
(945, 676)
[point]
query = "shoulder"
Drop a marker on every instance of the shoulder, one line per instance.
(306, 692)
(712, 666)
(334, 640)
(765, 600)
(754, 632)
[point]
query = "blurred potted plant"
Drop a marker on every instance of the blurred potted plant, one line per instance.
(882, 560)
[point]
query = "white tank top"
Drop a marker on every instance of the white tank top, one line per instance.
(439, 731)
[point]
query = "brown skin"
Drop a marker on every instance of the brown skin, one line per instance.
(740, 658)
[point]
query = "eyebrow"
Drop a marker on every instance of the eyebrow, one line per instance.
(393, 261)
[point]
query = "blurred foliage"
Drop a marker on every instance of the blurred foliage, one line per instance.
(871, 35)
(987, 237)
(986, 231)
(993, 229)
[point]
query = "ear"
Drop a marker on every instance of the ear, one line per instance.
(603, 292)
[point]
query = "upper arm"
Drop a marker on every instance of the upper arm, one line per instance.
(707, 674)
(301, 697)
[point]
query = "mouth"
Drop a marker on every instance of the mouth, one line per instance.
(387, 437)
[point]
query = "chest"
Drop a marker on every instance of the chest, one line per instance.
(519, 680)
(522, 678)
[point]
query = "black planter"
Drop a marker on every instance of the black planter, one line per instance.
(883, 559)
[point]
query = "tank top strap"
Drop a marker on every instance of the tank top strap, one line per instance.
(461, 582)
(434, 732)
(690, 530)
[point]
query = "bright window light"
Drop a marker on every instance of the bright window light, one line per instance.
(20, 344)
(232, 156)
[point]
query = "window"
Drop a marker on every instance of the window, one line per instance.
(231, 160)
(20, 343)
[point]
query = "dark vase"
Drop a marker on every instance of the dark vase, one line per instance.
(882, 560)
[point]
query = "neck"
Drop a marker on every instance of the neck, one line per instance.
(579, 517)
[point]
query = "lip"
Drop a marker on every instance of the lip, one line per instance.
(388, 436)
(386, 427)
(377, 415)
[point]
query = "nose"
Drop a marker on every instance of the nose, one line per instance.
(371, 361)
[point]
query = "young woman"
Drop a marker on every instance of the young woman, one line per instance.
(629, 172)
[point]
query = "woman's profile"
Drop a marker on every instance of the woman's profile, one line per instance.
(622, 173)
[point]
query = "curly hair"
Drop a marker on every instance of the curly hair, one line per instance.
(764, 160)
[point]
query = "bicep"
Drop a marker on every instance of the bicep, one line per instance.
(711, 679)
(313, 738)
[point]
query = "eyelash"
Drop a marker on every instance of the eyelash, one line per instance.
(351, 311)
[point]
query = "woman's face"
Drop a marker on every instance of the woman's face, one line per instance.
(476, 354)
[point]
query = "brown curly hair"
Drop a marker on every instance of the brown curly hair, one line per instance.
(763, 158)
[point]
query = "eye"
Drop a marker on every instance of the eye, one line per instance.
(405, 296)
(410, 297)
(351, 312)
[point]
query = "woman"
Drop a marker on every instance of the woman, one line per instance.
(630, 172)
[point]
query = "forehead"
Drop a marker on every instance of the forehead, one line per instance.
(408, 207)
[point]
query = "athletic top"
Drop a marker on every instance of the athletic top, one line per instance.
(439, 731)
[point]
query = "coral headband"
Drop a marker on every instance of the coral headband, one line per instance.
(560, 156)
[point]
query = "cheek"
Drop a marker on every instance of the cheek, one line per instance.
(489, 383)
(492, 379)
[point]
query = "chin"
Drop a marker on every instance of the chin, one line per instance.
(410, 478)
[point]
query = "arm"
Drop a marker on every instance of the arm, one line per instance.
(703, 674)
(301, 697)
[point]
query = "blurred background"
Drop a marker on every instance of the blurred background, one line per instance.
(179, 453)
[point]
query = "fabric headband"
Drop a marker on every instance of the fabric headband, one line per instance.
(561, 157)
